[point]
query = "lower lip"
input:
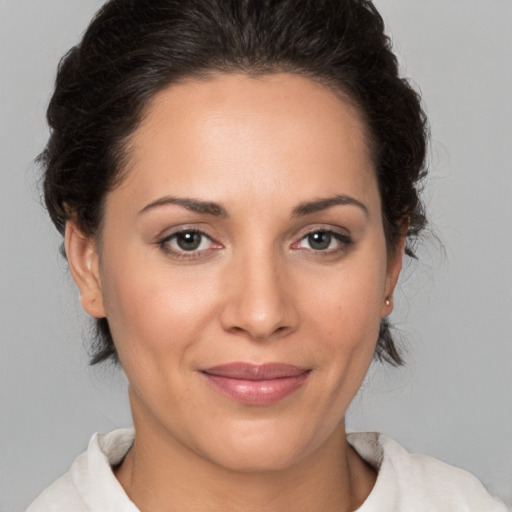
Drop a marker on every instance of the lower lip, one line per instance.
(257, 392)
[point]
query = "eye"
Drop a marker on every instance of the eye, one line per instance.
(187, 241)
(319, 241)
(324, 240)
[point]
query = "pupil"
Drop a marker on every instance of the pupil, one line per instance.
(188, 241)
(319, 240)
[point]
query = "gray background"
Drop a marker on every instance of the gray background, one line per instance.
(454, 398)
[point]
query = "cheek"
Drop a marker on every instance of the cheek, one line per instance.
(351, 297)
(344, 314)
(150, 308)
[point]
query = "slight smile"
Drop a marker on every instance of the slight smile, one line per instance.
(254, 384)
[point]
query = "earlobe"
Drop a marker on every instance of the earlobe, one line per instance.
(83, 260)
(393, 272)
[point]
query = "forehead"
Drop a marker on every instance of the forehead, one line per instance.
(232, 134)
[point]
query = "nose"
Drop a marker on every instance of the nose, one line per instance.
(258, 299)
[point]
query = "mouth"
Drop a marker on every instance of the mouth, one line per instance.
(254, 384)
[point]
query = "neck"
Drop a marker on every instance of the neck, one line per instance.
(161, 475)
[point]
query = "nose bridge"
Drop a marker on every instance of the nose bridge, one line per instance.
(257, 298)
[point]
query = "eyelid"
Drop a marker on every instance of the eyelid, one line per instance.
(170, 231)
(328, 228)
(180, 230)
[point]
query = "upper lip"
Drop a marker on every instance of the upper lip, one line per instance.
(250, 371)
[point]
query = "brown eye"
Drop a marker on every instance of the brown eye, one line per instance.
(187, 241)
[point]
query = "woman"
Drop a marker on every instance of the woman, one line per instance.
(237, 183)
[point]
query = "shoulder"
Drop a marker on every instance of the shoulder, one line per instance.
(61, 495)
(408, 481)
(90, 483)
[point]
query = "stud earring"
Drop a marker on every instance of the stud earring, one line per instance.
(388, 302)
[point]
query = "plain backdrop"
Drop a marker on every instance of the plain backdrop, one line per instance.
(453, 400)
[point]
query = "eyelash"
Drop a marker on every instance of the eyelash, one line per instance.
(344, 241)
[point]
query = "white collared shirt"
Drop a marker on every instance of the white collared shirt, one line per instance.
(405, 482)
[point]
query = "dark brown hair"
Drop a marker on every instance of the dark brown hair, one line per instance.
(135, 48)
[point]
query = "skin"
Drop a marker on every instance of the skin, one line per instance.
(255, 291)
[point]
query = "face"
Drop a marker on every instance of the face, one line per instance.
(242, 268)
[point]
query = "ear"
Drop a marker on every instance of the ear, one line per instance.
(83, 260)
(394, 266)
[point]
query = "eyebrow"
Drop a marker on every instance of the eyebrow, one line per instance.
(323, 204)
(215, 209)
(194, 205)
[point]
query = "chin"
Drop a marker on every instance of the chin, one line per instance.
(258, 459)
(263, 449)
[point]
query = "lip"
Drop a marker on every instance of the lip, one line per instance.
(256, 384)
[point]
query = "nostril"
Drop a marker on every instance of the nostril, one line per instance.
(260, 334)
